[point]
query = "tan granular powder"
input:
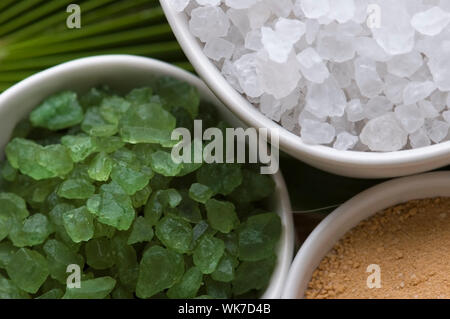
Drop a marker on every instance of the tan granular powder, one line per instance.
(409, 242)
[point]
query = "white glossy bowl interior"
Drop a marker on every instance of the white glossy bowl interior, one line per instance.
(347, 216)
(123, 73)
(347, 163)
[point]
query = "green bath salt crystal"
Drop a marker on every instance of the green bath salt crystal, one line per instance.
(95, 125)
(258, 236)
(174, 233)
(59, 256)
(100, 167)
(97, 288)
(28, 270)
(79, 224)
(33, 231)
(80, 146)
(78, 188)
(200, 193)
(159, 269)
(141, 231)
(208, 253)
(58, 112)
(39, 162)
(221, 215)
(90, 181)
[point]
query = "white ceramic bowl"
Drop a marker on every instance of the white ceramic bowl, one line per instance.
(123, 73)
(347, 163)
(357, 209)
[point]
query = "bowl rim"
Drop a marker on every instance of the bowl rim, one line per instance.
(351, 213)
(285, 248)
(289, 141)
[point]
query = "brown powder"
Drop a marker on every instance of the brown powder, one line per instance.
(409, 242)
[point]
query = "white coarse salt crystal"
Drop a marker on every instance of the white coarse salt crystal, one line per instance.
(218, 48)
(253, 40)
(394, 87)
(367, 77)
(312, 66)
(431, 22)
(281, 8)
(208, 22)
(369, 48)
(342, 10)
(290, 29)
(343, 73)
(419, 139)
(230, 75)
(446, 116)
(276, 46)
(312, 29)
(278, 79)
(326, 99)
(240, 4)
(384, 134)
(395, 33)
(209, 2)
(428, 110)
(439, 65)
(239, 18)
(336, 48)
(405, 65)
(416, 91)
(440, 100)
(314, 132)
(345, 141)
(377, 107)
(179, 5)
(258, 15)
(355, 111)
(410, 117)
(437, 130)
(314, 9)
(270, 107)
(246, 73)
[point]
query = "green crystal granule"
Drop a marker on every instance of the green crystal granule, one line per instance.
(39, 162)
(174, 233)
(258, 236)
(142, 231)
(147, 123)
(220, 178)
(221, 215)
(99, 253)
(112, 207)
(33, 231)
(76, 189)
(188, 286)
(200, 193)
(159, 269)
(80, 146)
(208, 253)
(100, 167)
(59, 256)
(163, 164)
(79, 224)
(95, 125)
(89, 181)
(28, 269)
(98, 288)
(58, 112)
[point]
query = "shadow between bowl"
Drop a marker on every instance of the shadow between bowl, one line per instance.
(123, 73)
(350, 214)
(345, 163)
